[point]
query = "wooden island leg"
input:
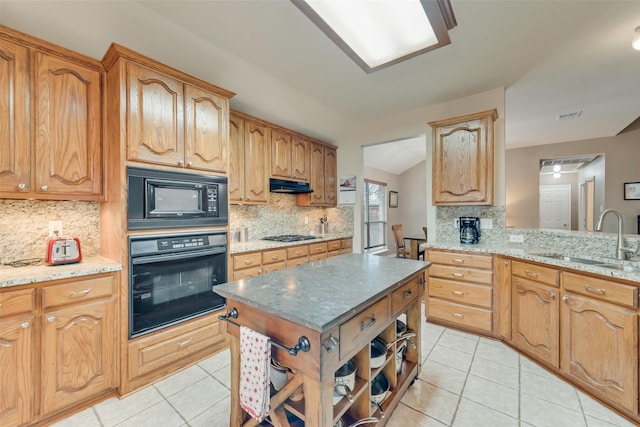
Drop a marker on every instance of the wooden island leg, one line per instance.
(318, 398)
(237, 414)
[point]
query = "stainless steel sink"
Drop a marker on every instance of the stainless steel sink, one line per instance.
(625, 268)
(570, 258)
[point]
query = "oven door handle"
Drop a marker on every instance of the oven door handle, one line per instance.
(175, 257)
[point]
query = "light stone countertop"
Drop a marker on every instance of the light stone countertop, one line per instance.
(531, 253)
(14, 276)
(259, 245)
(322, 294)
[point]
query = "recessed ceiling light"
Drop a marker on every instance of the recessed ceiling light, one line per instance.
(556, 175)
(376, 34)
(635, 43)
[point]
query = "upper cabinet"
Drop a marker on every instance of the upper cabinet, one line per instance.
(463, 159)
(289, 156)
(172, 119)
(324, 167)
(53, 127)
(248, 160)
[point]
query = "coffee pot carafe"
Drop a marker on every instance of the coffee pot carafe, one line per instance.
(469, 230)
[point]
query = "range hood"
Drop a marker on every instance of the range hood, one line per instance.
(284, 186)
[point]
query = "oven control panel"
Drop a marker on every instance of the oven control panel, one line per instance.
(150, 245)
(187, 242)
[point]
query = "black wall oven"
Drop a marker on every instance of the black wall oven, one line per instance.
(166, 199)
(172, 278)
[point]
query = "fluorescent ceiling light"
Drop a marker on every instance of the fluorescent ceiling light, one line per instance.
(378, 33)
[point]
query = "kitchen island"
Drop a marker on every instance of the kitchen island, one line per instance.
(327, 313)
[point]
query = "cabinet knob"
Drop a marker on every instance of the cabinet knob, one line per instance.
(552, 295)
(180, 163)
(25, 325)
(44, 187)
(332, 342)
(22, 186)
(51, 319)
(565, 298)
(241, 197)
(189, 163)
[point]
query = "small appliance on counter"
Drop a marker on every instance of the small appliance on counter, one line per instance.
(63, 250)
(469, 230)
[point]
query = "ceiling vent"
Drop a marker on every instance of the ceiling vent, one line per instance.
(566, 116)
(565, 164)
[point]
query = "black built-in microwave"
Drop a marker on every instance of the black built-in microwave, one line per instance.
(166, 199)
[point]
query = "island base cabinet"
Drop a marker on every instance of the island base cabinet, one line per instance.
(535, 320)
(600, 349)
(78, 356)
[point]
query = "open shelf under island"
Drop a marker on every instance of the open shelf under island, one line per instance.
(339, 305)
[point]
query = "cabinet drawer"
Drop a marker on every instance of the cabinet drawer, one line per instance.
(317, 257)
(463, 315)
(334, 245)
(274, 267)
(152, 353)
(346, 244)
(464, 293)
(461, 273)
(277, 255)
(297, 261)
(297, 251)
(317, 248)
(17, 302)
(401, 298)
(77, 291)
(546, 275)
(247, 272)
(247, 260)
(364, 326)
(460, 260)
(605, 290)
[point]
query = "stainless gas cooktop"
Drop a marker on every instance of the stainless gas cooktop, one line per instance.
(289, 238)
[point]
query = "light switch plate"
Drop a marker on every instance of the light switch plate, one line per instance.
(486, 223)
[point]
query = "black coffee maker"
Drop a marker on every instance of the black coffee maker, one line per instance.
(469, 230)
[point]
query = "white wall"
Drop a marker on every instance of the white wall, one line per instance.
(412, 195)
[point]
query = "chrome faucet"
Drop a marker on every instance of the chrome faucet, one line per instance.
(621, 251)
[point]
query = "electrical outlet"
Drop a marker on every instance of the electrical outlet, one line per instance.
(486, 223)
(516, 238)
(456, 224)
(306, 220)
(55, 228)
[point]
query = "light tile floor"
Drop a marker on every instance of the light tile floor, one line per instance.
(466, 381)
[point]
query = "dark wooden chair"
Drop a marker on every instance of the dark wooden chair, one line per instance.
(401, 250)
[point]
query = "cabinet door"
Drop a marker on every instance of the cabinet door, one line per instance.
(79, 348)
(68, 126)
(600, 348)
(236, 159)
(14, 125)
(317, 174)
(17, 370)
(300, 159)
(256, 151)
(281, 147)
(330, 172)
(206, 118)
(155, 122)
(535, 320)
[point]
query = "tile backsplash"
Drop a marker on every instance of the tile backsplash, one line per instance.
(24, 226)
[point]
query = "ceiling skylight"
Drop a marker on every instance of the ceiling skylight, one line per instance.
(378, 33)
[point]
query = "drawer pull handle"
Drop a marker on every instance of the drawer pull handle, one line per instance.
(298, 252)
(459, 315)
(275, 257)
(599, 291)
(248, 261)
(332, 342)
(458, 260)
(51, 319)
(407, 294)
(531, 273)
(365, 325)
(25, 325)
(457, 274)
(80, 293)
(187, 342)
(0, 305)
(458, 293)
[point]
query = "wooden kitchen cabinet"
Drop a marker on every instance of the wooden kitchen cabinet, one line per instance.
(463, 152)
(460, 290)
(54, 102)
(248, 165)
(599, 348)
(289, 156)
(323, 179)
(17, 369)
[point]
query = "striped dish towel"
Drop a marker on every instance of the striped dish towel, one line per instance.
(255, 358)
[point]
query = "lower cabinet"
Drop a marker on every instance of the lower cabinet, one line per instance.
(58, 347)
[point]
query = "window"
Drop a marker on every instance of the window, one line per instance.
(375, 214)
